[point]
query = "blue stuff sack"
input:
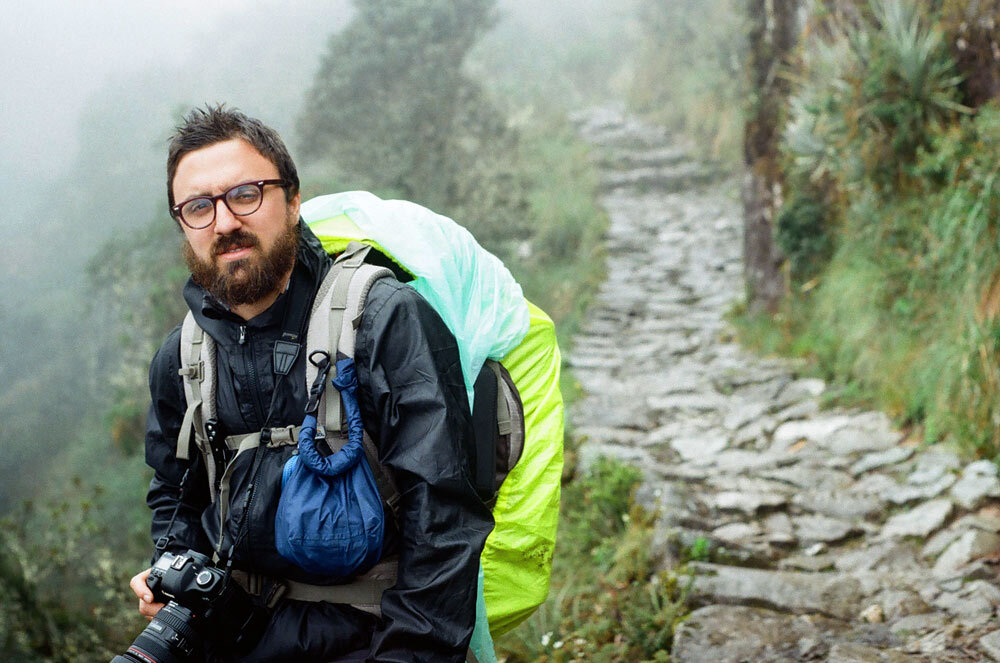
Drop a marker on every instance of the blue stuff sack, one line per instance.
(330, 519)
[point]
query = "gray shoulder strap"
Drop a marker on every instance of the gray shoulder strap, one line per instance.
(333, 327)
(198, 371)
(335, 316)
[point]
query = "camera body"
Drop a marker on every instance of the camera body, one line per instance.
(198, 596)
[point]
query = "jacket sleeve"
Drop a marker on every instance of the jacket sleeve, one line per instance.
(166, 412)
(415, 406)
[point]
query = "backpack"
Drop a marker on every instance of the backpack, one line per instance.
(510, 361)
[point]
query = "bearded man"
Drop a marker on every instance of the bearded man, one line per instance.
(255, 271)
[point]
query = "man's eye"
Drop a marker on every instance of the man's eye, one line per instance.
(198, 206)
(244, 194)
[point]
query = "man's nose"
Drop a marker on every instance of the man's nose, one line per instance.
(225, 221)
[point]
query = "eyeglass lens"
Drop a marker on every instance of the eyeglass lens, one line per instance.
(241, 200)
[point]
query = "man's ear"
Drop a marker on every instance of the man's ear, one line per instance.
(294, 204)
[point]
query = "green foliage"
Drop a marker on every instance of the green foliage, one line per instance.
(689, 72)
(392, 106)
(890, 214)
(866, 97)
(803, 233)
(65, 588)
(608, 601)
(136, 280)
(560, 263)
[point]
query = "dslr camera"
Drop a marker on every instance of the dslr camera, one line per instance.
(198, 597)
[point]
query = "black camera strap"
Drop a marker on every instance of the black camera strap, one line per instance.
(164, 541)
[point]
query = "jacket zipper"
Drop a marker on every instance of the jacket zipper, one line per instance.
(249, 502)
(251, 368)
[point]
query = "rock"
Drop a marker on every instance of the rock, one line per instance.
(816, 430)
(872, 635)
(874, 484)
(813, 563)
(812, 529)
(694, 403)
(851, 439)
(991, 644)
(931, 466)
(701, 449)
(973, 543)
(982, 468)
(973, 599)
(838, 504)
(849, 652)
(804, 475)
(904, 494)
(899, 603)
(979, 481)
(736, 634)
(987, 523)
(741, 415)
(832, 594)
(937, 543)
(755, 432)
(883, 555)
(881, 459)
(747, 502)
(801, 389)
(738, 533)
(795, 411)
(778, 529)
(738, 461)
(918, 624)
(920, 521)
(873, 614)
(666, 498)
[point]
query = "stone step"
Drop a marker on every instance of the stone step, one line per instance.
(832, 594)
(674, 178)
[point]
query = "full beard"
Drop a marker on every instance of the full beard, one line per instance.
(249, 279)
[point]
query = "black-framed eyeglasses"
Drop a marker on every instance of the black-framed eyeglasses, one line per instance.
(242, 200)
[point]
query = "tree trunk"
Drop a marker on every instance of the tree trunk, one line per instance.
(774, 30)
(971, 27)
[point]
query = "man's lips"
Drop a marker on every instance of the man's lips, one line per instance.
(236, 252)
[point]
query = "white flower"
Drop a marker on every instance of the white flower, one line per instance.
(546, 638)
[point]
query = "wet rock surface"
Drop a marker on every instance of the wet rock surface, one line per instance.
(832, 537)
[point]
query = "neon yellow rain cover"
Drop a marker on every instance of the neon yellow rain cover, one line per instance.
(484, 307)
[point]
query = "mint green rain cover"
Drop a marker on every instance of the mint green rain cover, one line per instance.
(472, 291)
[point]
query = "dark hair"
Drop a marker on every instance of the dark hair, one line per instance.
(214, 124)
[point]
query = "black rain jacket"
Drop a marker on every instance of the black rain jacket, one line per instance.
(414, 404)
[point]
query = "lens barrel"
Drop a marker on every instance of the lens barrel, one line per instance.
(168, 638)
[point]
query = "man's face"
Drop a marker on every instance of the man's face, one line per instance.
(238, 259)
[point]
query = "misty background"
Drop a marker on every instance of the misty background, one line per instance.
(864, 134)
(91, 268)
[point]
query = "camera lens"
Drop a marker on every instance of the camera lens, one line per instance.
(169, 638)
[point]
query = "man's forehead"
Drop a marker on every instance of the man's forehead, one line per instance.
(216, 167)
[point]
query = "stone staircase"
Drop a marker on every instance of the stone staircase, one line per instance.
(825, 534)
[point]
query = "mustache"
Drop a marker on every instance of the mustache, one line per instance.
(239, 239)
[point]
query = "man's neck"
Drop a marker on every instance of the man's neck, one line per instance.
(253, 309)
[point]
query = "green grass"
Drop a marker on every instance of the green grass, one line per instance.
(609, 602)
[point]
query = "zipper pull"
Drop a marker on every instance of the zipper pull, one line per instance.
(243, 334)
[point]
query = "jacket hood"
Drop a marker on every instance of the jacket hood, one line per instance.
(311, 265)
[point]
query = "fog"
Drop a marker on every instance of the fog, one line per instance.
(88, 98)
